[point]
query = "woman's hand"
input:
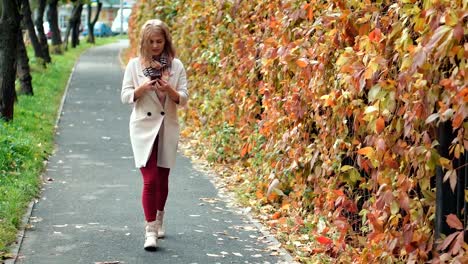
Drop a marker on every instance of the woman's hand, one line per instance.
(164, 86)
(146, 86)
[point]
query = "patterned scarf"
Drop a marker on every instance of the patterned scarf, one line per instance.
(158, 65)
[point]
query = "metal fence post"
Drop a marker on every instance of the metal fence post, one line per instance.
(448, 201)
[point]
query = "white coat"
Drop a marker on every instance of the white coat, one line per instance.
(148, 114)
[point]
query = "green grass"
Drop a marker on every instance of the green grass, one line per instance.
(28, 141)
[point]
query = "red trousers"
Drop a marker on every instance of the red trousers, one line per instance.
(155, 185)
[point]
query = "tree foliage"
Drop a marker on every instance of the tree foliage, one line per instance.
(334, 105)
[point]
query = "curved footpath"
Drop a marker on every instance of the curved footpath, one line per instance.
(90, 210)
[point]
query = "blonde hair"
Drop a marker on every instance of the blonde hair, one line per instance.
(150, 27)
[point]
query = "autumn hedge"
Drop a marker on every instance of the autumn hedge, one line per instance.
(334, 106)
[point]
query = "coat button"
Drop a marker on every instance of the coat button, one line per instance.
(162, 113)
(149, 113)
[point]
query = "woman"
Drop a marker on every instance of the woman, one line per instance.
(155, 84)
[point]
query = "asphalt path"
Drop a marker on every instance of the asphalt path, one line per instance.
(90, 207)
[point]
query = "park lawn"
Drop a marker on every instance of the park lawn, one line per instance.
(28, 141)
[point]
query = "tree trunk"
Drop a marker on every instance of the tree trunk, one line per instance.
(22, 68)
(40, 29)
(10, 24)
(75, 41)
(73, 22)
(93, 22)
(52, 17)
(28, 23)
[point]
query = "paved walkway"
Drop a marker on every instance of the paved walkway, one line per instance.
(90, 210)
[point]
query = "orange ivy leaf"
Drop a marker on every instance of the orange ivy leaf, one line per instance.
(367, 151)
(273, 196)
(324, 240)
(276, 215)
(339, 192)
(464, 94)
(391, 162)
(302, 62)
(375, 35)
(457, 120)
(259, 194)
(454, 222)
(447, 83)
(244, 150)
(283, 220)
(310, 13)
(270, 41)
(379, 125)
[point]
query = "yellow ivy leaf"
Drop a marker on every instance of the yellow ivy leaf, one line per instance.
(367, 151)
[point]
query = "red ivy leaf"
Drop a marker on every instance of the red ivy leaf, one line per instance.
(458, 243)
(458, 32)
(375, 35)
(447, 241)
(454, 222)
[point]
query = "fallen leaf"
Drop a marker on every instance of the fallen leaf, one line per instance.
(324, 240)
(276, 215)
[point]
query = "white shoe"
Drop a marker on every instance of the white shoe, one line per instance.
(151, 238)
(159, 221)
